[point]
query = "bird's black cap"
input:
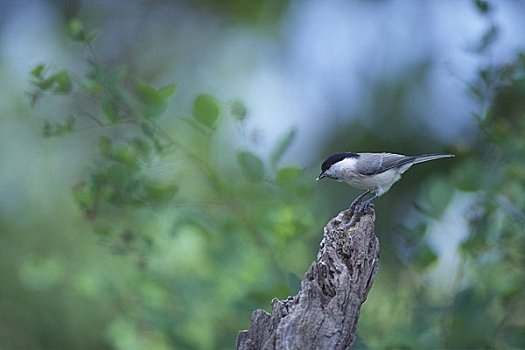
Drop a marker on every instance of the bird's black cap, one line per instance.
(336, 157)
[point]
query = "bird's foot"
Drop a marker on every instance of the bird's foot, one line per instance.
(364, 207)
(367, 204)
(357, 200)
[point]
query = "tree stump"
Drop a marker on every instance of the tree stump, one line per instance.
(324, 313)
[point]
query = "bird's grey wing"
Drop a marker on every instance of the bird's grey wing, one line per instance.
(376, 163)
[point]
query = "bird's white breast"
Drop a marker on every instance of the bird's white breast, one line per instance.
(379, 183)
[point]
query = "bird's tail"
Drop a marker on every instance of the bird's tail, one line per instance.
(427, 157)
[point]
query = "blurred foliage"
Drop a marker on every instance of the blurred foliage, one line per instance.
(247, 11)
(208, 233)
(484, 306)
(196, 229)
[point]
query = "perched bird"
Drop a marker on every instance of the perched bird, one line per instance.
(373, 172)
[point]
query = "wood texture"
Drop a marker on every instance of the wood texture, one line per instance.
(324, 314)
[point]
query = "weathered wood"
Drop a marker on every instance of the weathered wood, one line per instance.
(324, 314)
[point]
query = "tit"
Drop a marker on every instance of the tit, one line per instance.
(373, 172)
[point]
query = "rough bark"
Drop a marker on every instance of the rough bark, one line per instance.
(324, 314)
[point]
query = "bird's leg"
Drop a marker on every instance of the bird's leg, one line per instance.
(358, 199)
(367, 203)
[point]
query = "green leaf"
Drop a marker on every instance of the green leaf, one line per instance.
(483, 6)
(148, 94)
(489, 37)
(141, 146)
(125, 154)
(83, 196)
(92, 86)
(251, 165)
(282, 146)
(78, 33)
(61, 83)
(38, 70)
(44, 84)
(76, 30)
(58, 83)
(288, 175)
(160, 191)
(154, 100)
(109, 109)
(57, 129)
(167, 91)
(206, 110)
(238, 110)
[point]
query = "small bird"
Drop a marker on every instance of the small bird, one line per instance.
(373, 172)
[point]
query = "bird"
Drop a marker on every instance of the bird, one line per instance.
(373, 172)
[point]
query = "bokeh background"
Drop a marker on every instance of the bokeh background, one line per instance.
(157, 166)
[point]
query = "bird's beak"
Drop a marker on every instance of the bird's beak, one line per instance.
(320, 176)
